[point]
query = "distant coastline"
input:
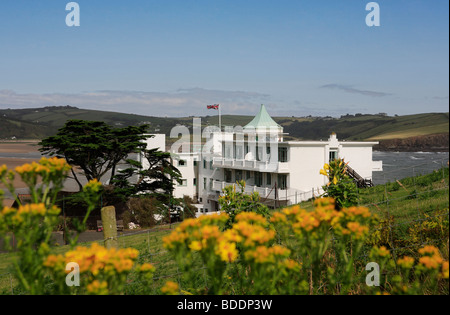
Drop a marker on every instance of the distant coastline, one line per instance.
(428, 143)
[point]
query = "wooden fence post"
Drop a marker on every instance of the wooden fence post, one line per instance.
(109, 227)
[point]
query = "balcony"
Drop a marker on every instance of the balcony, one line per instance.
(377, 166)
(252, 165)
(291, 195)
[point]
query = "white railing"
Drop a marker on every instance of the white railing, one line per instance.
(377, 166)
(292, 195)
(252, 165)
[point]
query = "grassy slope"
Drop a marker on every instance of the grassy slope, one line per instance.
(38, 123)
(408, 203)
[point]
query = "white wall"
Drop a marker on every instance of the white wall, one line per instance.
(188, 173)
(305, 163)
(359, 158)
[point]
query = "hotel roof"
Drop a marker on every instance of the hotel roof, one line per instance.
(263, 120)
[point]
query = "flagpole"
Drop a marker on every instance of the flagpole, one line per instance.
(220, 118)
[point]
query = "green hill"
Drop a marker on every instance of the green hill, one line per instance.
(37, 123)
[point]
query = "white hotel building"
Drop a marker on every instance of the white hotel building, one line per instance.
(282, 172)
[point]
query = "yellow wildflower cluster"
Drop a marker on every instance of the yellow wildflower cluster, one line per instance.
(332, 172)
(93, 185)
(103, 269)
(47, 167)
(3, 170)
(252, 234)
(203, 235)
(96, 259)
(97, 288)
(170, 288)
(27, 213)
(354, 222)
(406, 262)
(302, 221)
(432, 260)
(264, 254)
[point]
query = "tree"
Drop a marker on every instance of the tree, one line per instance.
(94, 147)
(161, 176)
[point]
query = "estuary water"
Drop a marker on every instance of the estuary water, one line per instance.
(398, 165)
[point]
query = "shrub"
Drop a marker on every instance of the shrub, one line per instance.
(340, 186)
(234, 200)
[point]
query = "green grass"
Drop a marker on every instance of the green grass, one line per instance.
(403, 204)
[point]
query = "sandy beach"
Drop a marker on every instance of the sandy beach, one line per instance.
(13, 154)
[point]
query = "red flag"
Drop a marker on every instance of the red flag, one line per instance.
(215, 106)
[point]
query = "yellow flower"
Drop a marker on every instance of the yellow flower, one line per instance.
(431, 258)
(210, 231)
(357, 229)
(93, 186)
(406, 262)
(294, 210)
(98, 288)
(232, 235)
(278, 217)
(251, 217)
(383, 251)
(429, 262)
(7, 210)
(147, 268)
(227, 251)
(429, 251)
(3, 170)
(195, 246)
(444, 273)
(259, 255)
(170, 288)
(291, 265)
(279, 251)
(335, 180)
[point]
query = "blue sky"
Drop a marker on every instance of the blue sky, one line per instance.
(172, 58)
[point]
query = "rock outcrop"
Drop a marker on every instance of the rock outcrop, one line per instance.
(429, 143)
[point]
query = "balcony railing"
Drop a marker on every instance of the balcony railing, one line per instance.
(268, 193)
(252, 165)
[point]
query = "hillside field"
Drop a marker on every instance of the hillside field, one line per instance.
(39, 123)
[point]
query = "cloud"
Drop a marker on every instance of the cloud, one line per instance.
(350, 89)
(440, 98)
(183, 102)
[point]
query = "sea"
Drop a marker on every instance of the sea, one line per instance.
(398, 165)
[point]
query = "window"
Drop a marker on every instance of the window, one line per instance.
(282, 154)
(211, 165)
(183, 183)
(228, 176)
(268, 179)
(258, 179)
(204, 182)
(238, 175)
(239, 154)
(333, 156)
(282, 181)
(204, 163)
(248, 175)
(182, 163)
(195, 181)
